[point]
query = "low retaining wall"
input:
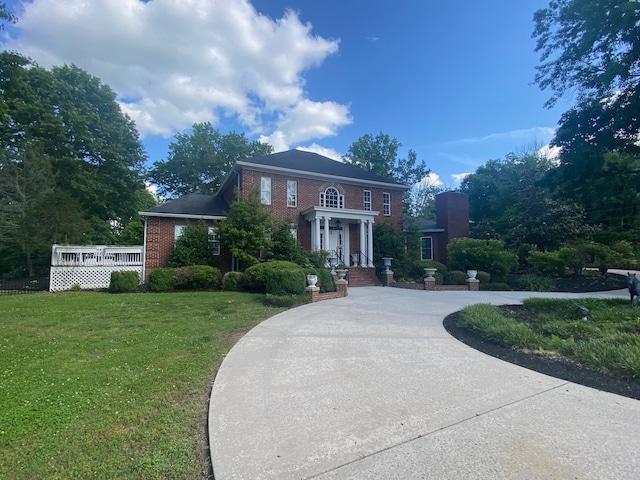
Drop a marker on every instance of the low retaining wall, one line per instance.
(341, 291)
(472, 285)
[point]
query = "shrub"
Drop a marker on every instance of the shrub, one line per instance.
(455, 277)
(286, 282)
(326, 282)
(318, 258)
(197, 277)
(161, 280)
(494, 287)
(124, 282)
(546, 263)
(192, 247)
(254, 278)
(231, 281)
(536, 283)
(487, 255)
(483, 277)
(439, 278)
(417, 268)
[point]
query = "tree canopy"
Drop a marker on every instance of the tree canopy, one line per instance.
(62, 134)
(198, 162)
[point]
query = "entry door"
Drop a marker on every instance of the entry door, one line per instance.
(339, 243)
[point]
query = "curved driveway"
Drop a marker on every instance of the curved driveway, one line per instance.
(371, 386)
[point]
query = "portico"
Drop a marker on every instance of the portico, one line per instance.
(331, 231)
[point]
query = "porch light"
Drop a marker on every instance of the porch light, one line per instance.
(338, 225)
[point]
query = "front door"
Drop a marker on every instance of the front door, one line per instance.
(337, 242)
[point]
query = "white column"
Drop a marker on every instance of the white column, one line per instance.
(362, 244)
(326, 233)
(316, 245)
(370, 243)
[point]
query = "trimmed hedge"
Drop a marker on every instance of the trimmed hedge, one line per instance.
(197, 277)
(254, 278)
(286, 282)
(161, 280)
(455, 277)
(124, 282)
(231, 281)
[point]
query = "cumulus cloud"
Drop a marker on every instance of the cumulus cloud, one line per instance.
(320, 150)
(176, 62)
(431, 180)
(459, 177)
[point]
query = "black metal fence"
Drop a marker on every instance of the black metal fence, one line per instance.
(14, 286)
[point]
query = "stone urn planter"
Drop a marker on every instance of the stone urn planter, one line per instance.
(387, 263)
(472, 274)
(341, 273)
(312, 280)
(430, 272)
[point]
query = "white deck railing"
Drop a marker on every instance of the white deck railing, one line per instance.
(90, 266)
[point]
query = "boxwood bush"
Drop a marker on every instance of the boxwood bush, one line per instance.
(455, 277)
(124, 282)
(197, 277)
(287, 282)
(254, 278)
(161, 280)
(231, 281)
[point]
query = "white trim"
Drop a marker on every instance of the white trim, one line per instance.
(182, 215)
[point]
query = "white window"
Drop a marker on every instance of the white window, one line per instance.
(265, 190)
(426, 248)
(331, 198)
(294, 231)
(292, 193)
(214, 241)
(367, 200)
(178, 231)
(386, 203)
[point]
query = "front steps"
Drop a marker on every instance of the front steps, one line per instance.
(363, 277)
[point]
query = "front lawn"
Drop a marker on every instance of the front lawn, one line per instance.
(94, 385)
(607, 340)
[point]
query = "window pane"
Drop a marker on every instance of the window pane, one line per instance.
(214, 241)
(265, 190)
(386, 203)
(367, 200)
(426, 251)
(292, 193)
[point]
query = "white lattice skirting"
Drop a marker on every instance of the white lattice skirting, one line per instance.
(63, 278)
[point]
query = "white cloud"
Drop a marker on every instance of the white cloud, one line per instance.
(320, 150)
(431, 180)
(459, 177)
(176, 62)
(552, 153)
(544, 133)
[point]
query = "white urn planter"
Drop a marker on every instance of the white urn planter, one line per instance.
(312, 280)
(430, 272)
(472, 274)
(341, 273)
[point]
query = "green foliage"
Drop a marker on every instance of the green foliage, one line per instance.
(192, 247)
(318, 259)
(124, 282)
(417, 269)
(487, 255)
(483, 277)
(285, 246)
(326, 282)
(76, 287)
(161, 280)
(536, 283)
(388, 242)
(285, 301)
(231, 281)
(254, 278)
(455, 277)
(199, 162)
(286, 282)
(197, 277)
(132, 234)
(245, 231)
(547, 263)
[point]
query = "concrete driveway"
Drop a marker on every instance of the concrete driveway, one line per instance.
(372, 386)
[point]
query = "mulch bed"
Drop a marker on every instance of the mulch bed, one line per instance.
(557, 367)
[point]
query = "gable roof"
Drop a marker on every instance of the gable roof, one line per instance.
(308, 164)
(193, 205)
(423, 225)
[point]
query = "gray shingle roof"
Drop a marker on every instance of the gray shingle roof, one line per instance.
(309, 162)
(193, 204)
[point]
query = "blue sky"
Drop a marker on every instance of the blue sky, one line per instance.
(450, 80)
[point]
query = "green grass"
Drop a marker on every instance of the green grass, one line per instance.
(609, 339)
(94, 385)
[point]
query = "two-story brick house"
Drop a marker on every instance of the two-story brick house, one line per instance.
(332, 206)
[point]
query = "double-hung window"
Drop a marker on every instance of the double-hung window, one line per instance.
(265, 190)
(367, 200)
(386, 203)
(292, 193)
(214, 241)
(426, 248)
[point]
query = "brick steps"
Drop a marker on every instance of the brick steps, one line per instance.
(363, 277)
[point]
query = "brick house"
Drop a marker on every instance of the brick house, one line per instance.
(332, 207)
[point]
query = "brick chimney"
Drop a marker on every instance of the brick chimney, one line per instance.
(452, 214)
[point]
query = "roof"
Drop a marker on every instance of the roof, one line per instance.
(424, 225)
(193, 205)
(305, 163)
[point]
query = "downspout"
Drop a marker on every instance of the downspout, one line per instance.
(144, 250)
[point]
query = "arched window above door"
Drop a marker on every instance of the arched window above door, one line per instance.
(331, 198)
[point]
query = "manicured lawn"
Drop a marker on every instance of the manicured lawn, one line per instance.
(94, 385)
(608, 339)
